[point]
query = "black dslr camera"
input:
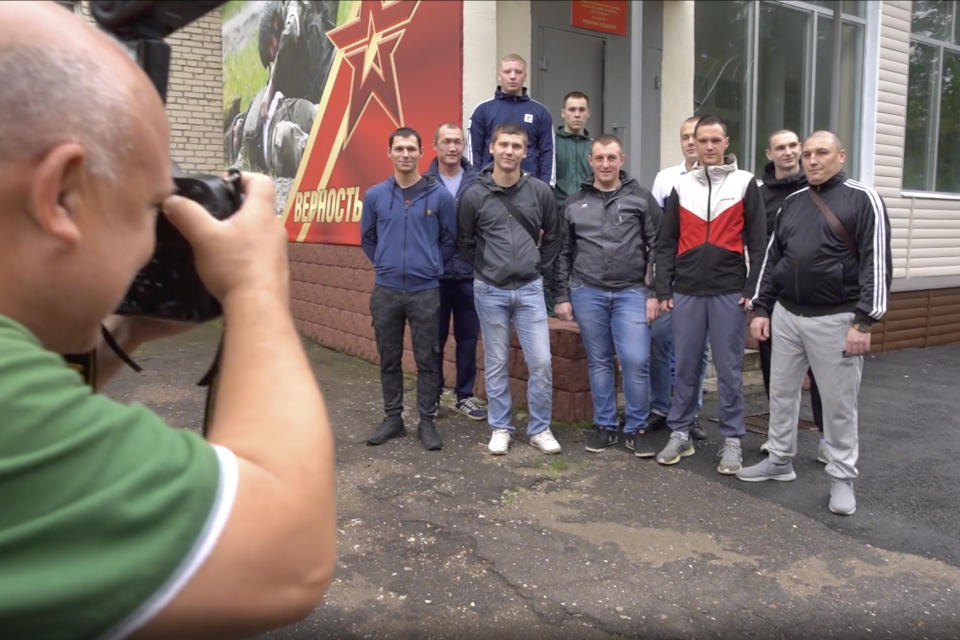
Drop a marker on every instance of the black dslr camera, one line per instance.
(169, 287)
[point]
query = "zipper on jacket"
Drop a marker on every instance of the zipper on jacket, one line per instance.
(706, 172)
(403, 262)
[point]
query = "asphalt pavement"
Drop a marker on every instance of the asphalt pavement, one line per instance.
(462, 544)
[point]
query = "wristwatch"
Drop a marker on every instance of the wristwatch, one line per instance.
(861, 326)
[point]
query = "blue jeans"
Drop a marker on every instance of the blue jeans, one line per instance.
(496, 308)
(608, 320)
(663, 366)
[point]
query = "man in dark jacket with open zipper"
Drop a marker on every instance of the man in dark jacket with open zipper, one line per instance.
(508, 227)
(456, 283)
(826, 278)
(610, 230)
(408, 230)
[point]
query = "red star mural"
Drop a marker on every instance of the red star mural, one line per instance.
(369, 44)
(391, 70)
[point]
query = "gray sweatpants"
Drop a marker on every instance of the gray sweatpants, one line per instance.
(722, 320)
(817, 342)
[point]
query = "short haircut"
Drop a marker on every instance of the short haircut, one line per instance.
(690, 119)
(780, 133)
(708, 120)
(444, 125)
(509, 129)
(82, 101)
(405, 132)
(575, 94)
(833, 136)
(514, 57)
(604, 140)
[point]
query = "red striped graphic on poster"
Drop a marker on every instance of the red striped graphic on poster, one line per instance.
(396, 64)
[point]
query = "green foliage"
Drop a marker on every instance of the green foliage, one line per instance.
(230, 8)
(558, 466)
(243, 76)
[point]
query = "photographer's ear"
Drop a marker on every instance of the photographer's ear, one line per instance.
(58, 185)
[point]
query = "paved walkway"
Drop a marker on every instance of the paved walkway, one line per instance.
(461, 544)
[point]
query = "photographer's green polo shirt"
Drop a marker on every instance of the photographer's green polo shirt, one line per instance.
(105, 511)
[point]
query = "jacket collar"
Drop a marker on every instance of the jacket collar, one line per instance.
(433, 171)
(839, 178)
(563, 133)
(717, 172)
(500, 95)
(626, 180)
(486, 179)
(770, 180)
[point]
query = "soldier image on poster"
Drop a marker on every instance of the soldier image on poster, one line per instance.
(271, 134)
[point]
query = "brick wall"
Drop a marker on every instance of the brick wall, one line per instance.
(195, 94)
(330, 294)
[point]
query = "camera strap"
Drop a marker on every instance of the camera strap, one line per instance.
(112, 343)
(85, 363)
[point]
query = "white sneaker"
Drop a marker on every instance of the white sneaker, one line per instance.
(499, 442)
(545, 442)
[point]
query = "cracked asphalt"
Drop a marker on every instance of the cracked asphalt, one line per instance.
(461, 544)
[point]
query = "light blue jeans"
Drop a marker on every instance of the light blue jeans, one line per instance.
(497, 308)
(608, 320)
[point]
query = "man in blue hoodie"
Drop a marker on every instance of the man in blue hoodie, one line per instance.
(408, 229)
(456, 283)
(511, 105)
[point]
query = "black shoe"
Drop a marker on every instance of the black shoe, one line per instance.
(641, 445)
(600, 439)
(429, 438)
(697, 432)
(656, 421)
(391, 427)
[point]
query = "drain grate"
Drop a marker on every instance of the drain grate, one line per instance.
(759, 423)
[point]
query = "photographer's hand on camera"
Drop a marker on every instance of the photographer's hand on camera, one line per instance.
(243, 255)
(268, 411)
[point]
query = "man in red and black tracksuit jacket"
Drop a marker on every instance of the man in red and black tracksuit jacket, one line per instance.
(702, 277)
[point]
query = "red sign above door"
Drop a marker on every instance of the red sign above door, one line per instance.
(609, 16)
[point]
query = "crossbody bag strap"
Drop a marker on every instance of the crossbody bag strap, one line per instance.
(514, 213)
(834, 222)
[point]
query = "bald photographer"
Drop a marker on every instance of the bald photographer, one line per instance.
(113, 524)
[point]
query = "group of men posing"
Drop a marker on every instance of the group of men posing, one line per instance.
(650, 276)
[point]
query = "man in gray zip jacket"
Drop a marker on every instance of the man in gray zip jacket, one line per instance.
(610, 230)
(501, 220)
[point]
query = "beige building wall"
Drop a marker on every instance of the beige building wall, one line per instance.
(676, 95)
(925, 228)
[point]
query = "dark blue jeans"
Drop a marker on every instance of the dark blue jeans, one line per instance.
(456, 297)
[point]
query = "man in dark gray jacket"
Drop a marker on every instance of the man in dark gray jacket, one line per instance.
(508, 228)
(610, 229)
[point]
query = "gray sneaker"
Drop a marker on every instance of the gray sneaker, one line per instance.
(842, 500)
(678, 446)
(730, 457)
(768, 469)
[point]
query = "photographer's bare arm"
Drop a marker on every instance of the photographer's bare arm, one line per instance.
(112, 522)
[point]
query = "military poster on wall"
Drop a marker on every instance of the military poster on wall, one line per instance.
(313, 89)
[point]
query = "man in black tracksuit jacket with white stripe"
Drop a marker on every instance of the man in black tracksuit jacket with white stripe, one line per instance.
(825, 278)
